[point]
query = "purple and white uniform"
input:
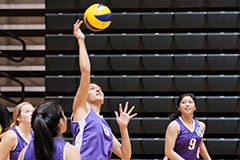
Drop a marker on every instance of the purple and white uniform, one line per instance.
(188, 141)
(20, 144)
(59, 150)
(92, 137)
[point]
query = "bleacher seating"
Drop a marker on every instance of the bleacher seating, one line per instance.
(140, 5)
(148, 41)
(150, 84)
(227, 106)
(153, 21)
(125, 63)
(153, 51)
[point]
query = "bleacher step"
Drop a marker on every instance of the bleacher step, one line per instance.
(22, 27)
(19, 89)
(19, 47)
(22, 6)
(34, 61)
(29, 19)
(22, 1)
(22, 68)
(33, 100)
(28, 81)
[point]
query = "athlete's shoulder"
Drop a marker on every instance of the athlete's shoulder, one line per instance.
(10, 135)
(202, 124)
(173, 125)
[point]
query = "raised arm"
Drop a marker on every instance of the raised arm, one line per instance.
(123, 150)
(80, 109)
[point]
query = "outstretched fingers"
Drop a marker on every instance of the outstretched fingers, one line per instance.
(130, 111)
(120, 108)
(133, 115)
(126, 107)
(77, 24)
(77, 31)
(77, 21)
(116, 114)
(125, 111)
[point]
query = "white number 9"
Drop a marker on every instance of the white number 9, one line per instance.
(192, 144)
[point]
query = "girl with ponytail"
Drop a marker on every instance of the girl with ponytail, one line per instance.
(184, 135)
(48, 123)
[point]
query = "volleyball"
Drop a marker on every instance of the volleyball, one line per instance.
(97, 17)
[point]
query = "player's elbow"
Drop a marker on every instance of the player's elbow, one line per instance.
(167, 153)
(126, 158)
(85, 70)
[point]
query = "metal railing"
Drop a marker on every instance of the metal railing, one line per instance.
(22, 51)
(17, 81)
(22, 57)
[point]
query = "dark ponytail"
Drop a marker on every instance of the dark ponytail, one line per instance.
(174, 116)
(45, 121)
(5, 117)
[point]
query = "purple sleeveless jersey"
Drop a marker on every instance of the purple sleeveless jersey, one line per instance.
(92, 137)
(59, 149)
(20, 145)
(187, 143)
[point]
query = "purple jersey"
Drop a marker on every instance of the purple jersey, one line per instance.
(59, 149)
(20, 144)
(92, 137)
(187, 142)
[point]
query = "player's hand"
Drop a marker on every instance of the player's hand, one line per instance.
(77, 31)
(124, 116)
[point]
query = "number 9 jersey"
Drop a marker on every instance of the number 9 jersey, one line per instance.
(188, 141)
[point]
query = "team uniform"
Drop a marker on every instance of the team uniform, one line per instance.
(20, 144)
(59, 150)
(188, 142)
(92, 137)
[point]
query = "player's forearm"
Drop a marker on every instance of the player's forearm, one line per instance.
(204, 152)
(84, 61)
(172, 155)
(126, 144)
(205, 155)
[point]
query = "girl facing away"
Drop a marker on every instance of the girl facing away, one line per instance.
(48, 123)
(184, 135)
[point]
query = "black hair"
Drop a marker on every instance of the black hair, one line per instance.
(174, 116)
(45, 121)
(5, 117)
